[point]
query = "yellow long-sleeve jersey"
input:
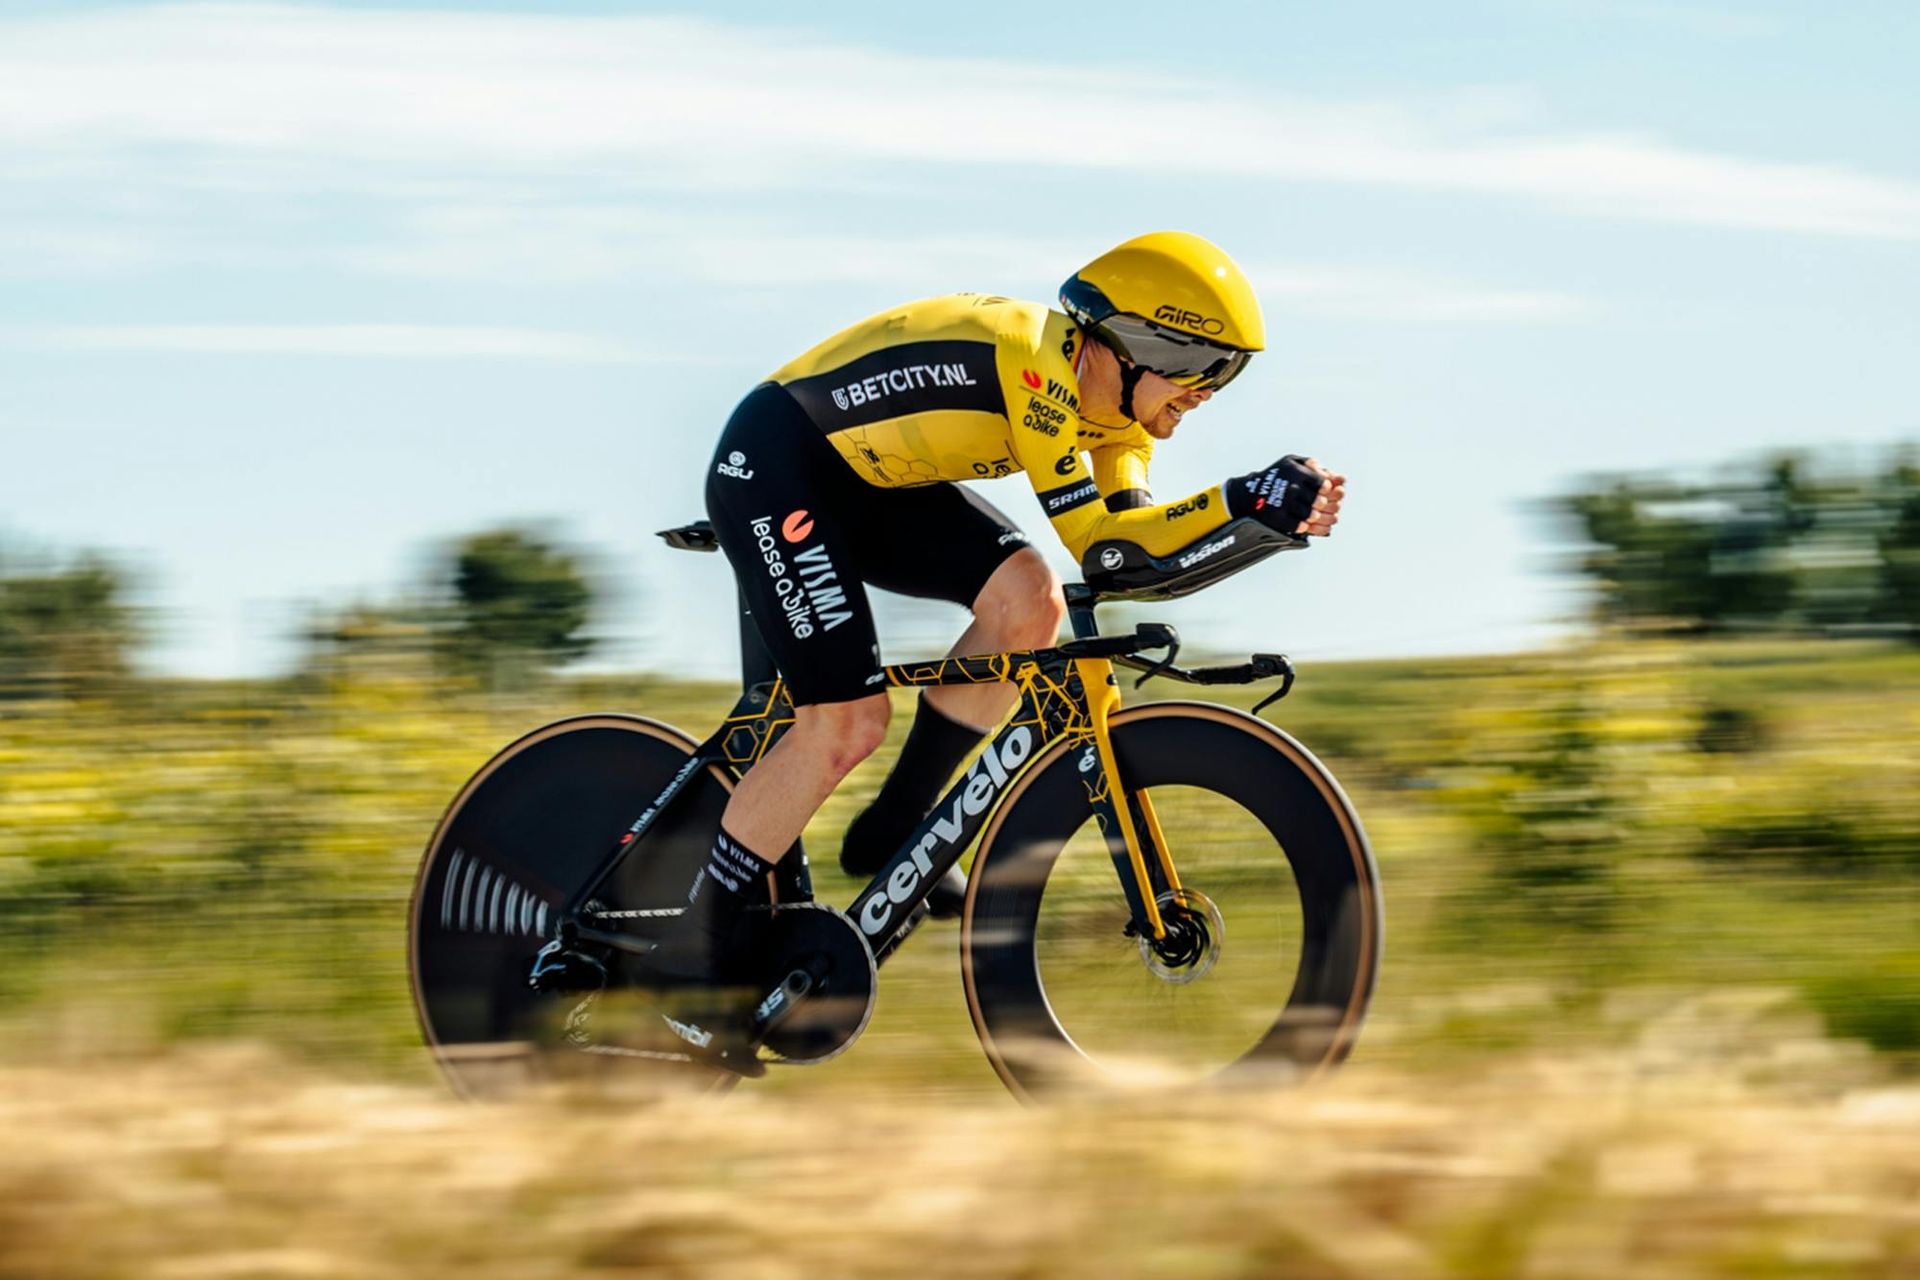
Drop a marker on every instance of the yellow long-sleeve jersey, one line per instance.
(971, 386)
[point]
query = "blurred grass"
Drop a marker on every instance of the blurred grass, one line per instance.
(193, 861)
(1667, 1158)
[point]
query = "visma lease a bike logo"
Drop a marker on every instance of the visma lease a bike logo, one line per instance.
(989, 773)
(809, 591)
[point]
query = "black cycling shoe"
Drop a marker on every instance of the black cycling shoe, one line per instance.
(948, 897)
(874, 836)
(562, 970)
(722, 1038)
(706, 984)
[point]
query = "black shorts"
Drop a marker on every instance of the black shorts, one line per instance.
(805, 536)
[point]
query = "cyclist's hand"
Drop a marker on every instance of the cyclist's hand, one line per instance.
(1295, 495)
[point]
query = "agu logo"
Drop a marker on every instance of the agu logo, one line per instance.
(796, 526)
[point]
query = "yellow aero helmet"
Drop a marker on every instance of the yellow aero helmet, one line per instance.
(1172, 303)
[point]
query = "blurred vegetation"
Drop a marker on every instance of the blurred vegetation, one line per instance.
(65, 628)
(1771, 545)
(1556, 832)
(519, 604)
(505, 607)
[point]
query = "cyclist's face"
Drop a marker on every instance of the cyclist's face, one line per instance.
(1158, 405)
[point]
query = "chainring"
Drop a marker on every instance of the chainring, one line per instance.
(817, 940)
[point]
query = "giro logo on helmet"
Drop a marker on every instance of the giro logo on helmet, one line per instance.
(796, 526)
(1169, 314)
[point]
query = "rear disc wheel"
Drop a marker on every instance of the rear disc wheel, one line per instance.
(516, 842)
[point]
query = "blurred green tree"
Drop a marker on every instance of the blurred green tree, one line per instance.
(1900, 551)
(65, 630)
(1684, 559)
(519, 605)
(1770, 546)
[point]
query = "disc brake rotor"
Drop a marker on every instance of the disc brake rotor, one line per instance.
(1192, 945)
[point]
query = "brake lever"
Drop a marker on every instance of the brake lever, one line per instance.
(1172, 639)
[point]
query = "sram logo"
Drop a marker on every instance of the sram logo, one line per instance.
(984, 781)
(1180, 317)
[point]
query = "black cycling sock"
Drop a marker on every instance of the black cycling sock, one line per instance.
(936, 746)
(733, 880)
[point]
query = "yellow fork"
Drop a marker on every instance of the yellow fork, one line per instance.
(1103, 699)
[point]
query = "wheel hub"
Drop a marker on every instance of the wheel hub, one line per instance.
(1191, 946)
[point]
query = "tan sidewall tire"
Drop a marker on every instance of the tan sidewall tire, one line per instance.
(1367, 909)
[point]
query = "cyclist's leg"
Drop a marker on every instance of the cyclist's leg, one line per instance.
(1020, 607)
(979, 559)
(780, 499)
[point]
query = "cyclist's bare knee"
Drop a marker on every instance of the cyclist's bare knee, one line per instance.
(1021, 605)
(843, 733)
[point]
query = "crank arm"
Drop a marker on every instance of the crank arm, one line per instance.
(618, 941)
(780, 1004)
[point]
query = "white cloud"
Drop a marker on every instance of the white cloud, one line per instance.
(565, 243)
(352, 97)
(388, 341)
(1378, 294)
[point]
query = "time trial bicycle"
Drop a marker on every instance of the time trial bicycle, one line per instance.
(1175, 884)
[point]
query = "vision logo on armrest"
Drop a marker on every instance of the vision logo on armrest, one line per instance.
(1123, 570)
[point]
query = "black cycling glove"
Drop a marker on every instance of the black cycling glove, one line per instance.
(1279, 497)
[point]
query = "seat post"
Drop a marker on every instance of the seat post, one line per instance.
(1080, 601)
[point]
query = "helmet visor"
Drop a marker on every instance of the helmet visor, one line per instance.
(1186, 360)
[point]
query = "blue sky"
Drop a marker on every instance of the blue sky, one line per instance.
(291, 294)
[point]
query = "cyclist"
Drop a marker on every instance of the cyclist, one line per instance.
(836, 473)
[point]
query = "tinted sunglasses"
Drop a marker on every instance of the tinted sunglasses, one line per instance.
(1183, 359)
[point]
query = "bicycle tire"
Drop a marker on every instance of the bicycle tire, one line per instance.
(515, 842)
(1234, 762)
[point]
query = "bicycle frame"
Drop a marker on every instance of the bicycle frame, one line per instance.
(1054, 704)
